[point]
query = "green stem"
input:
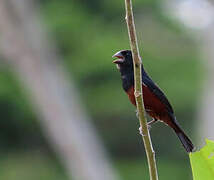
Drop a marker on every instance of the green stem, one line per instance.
(138, 91)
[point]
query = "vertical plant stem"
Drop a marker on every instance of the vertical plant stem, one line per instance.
(138, 91)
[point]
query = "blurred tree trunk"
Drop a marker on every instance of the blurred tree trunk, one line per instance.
(24, 46)
(206, 109)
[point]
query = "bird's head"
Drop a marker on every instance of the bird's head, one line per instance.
(124, 60)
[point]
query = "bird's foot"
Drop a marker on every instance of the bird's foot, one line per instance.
(149, 126)
(141, 130)
(137, 113)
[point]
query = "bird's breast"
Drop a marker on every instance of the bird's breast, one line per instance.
(153, 106)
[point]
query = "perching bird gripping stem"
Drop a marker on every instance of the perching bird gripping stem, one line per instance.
(138, 91)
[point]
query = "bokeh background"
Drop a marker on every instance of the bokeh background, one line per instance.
(85, 34)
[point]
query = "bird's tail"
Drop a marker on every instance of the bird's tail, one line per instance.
(186, 142)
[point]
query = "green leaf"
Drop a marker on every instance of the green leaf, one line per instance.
(202, 162)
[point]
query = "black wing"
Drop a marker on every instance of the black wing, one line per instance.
(156, 90)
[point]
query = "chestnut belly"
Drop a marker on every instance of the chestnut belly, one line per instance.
(153, 106)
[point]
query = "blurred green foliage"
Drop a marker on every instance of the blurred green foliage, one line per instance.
(138, 169)
(35, 166)
(87, 34)
(19, 127)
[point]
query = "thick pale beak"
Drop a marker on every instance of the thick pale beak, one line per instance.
(120, 56)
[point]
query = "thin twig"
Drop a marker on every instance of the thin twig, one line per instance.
(138, 91)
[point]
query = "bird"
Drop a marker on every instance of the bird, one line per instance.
(156, 104)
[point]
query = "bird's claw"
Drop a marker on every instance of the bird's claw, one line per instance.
(141, 130)
(137, 114)
(149, 127)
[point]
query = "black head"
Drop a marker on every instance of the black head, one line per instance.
(124, 61)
